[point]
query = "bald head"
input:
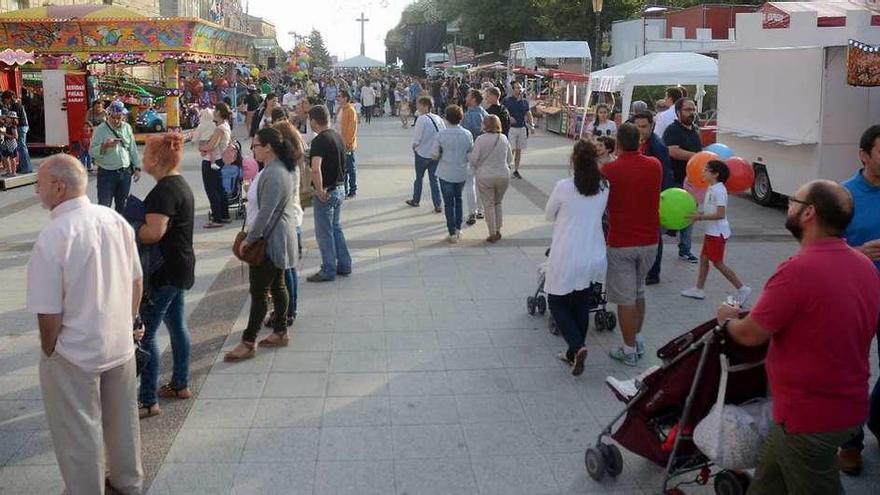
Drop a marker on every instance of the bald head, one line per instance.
(833, 204)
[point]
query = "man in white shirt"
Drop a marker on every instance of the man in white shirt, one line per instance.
(368, 100)
(428, 125)
(84, 284)
(663, 119)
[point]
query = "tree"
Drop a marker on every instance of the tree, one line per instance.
(318, 51)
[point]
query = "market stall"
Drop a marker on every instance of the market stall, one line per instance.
(564, 106)
(68, 41)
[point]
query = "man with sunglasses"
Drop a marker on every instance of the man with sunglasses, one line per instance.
(115, 152)
(818, 312)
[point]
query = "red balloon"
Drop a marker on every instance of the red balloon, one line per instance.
(222, 84)
(742, 175)
(695, 168)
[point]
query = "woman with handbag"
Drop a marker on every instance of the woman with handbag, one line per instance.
(491, 159)
(169, 223)
(269, 247)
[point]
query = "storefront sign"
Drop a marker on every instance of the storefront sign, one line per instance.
(774, 17)
(77, 106)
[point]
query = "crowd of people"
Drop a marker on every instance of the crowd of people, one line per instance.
(92, 268)
(14, 155)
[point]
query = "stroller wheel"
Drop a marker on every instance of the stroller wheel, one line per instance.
(613, 459)
(731, 483)
(542, 304)
(531, 305)
(611, 322)
(599, 320)
(595, 463)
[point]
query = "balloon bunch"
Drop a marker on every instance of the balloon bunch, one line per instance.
(299, 61)
(677, 205)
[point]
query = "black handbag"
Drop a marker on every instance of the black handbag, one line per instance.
(141, 355)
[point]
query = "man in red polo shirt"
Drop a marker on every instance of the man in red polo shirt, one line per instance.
(819, 312)
(634, 225)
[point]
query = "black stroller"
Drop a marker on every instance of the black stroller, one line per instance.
(664, 405)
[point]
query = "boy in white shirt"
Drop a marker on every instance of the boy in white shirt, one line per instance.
(714, 213)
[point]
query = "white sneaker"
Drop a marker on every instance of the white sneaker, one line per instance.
(743, 294)
(694, 293)
(452, 239)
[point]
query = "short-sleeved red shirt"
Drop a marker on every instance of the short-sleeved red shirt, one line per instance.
(634, 200)
(822, 307)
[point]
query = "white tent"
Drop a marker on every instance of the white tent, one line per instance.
(655, 69)
(359, 62)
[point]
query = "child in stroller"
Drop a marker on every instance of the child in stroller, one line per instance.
(232, 178)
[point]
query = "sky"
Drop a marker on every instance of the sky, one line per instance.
(335, 19)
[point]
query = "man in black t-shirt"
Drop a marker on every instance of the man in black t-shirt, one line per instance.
(492, 96)
(252, 102)
(327, 157)
(682, 137)
(169, 223)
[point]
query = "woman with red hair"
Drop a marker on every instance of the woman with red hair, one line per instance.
(169, 223)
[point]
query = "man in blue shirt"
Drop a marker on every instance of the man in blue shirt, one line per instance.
(520, 117)
(863, 234)
(415, 89)
(473, 122)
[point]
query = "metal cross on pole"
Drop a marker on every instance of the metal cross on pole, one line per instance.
(363, 22)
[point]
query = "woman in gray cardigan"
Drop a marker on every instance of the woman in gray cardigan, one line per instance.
(490, 160)
(276, 221)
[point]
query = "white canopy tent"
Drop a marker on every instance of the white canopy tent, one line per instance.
(359, 62)
(656, 69)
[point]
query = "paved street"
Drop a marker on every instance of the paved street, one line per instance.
(421, 373)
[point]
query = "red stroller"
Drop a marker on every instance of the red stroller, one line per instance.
(663, 409)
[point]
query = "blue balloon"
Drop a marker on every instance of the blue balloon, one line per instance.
(722, 150)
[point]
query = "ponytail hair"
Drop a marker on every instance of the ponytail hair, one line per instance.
(283, 149)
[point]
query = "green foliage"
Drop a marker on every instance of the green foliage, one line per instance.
(318, 50)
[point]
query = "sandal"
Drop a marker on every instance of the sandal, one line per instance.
(244, 350)
(148, 411)
(276, 340)
(168, 392)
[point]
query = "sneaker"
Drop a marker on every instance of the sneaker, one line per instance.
(694, 293)
(578, 367)
(563, 356)
(688, 258)
(412, 203)
(629, 359)
(350, 195)
(640, 348)
(516, 174)
(437, 209)
(850, 461)
(479, 215)
(318, 277)
(743, 294)
(652, 280)
(471, 220)
(452, 238)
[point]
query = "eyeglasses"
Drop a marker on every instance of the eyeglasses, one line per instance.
(798, 201)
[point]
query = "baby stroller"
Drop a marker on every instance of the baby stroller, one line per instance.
(605, 320)
(233, 179)
(664, 405)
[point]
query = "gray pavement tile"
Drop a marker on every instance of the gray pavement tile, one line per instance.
(357, 411)
(22, 415)
(479, 381)
(36, 451)
(195, 479)
(349, 322)
(419, 383)
(357, 385)
(463, 339)
(281, 445)
(261, 363)
(19, 364)
(502, 438)
(401, 316)
(233, 386)
(309, 341)
(306, 322)
(476, 358)
(355, 443)
(553, 407)
(295, 362)
(566, 437)
(457, 320)
(489, 408)
(509, 475)
(221, 413)
(285, 478)
(571, 475)
(288, 413)
(552, 379)
(358, 361)
(423, 410)
(30, 479)
(435, 476)
(536, 339)
(528, 357)
(428, 441)
(415, 360)
(295, 385)
(372, 341)
(411, 340)
(197, 445)
(12, 442)
(354, 478)
(20, 387)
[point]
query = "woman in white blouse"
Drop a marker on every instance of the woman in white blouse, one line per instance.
(577, 252)
(490, 160)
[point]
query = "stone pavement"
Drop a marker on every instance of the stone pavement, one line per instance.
(419, 374)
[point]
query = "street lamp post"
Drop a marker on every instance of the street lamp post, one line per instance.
(597, 40)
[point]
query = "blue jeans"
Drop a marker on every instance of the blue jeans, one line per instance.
(684, 240)
(426, 165)
(654, 272)
(351, 174)
(290, 280)
(114, 186)
(571, 313)
(24, 157)
(86, 158)
(328, 232)
(164, 304)
(873, 422)
(452, 204)
(331, 107)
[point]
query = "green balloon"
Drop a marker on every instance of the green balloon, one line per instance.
(676, 207)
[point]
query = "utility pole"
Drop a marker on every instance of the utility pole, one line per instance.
(363, 22)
